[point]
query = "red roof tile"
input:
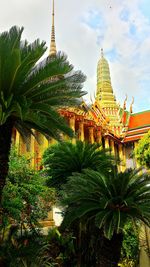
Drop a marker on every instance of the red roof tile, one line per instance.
(138, 131)
(139, 120)
(132, 138)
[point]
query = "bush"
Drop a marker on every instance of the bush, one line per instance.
(26, 198)
(130, 246)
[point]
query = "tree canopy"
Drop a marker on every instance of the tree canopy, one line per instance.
(32, 91)
(142, 151)
(111, 199)
(26, 198)
(108, 202)
(61, 160)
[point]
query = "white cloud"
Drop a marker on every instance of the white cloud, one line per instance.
(77, 36)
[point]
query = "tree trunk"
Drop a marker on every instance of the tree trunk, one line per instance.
(5, 144)
(109, 251)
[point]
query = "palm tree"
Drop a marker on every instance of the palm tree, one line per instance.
(65, 158)
(31, 92)
(108, 201)
(61, 161)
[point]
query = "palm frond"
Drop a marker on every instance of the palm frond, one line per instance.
(112, 206)
(49, 84)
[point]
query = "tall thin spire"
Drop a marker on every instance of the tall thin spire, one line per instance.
(52, 51)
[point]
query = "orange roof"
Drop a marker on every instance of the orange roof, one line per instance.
(139, 120)
(138, 131)
(136, 134)
(132, 138)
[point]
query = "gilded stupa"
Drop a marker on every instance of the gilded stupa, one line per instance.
(105, 97)
(104, 94)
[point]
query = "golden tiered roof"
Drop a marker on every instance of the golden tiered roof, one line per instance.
(104, 94)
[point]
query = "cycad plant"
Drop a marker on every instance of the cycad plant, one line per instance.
(108, 201)
(65, 158)
(31, 91)
(61, 161)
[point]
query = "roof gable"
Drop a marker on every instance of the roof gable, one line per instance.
(139, 120)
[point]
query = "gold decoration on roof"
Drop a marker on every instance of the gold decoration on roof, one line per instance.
(131, 106)
(125, 101)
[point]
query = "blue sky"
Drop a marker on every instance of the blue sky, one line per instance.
(121, 27)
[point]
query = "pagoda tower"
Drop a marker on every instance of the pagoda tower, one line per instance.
(105, 96)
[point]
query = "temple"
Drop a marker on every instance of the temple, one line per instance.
(104, 121)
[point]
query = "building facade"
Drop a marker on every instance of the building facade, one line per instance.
(104, 121)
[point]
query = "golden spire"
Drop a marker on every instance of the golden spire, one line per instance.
(52, 51)
(104, 92)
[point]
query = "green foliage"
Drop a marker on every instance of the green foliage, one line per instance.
(34, 90)
(142, 151)
(63, 159)
(106, 202)
(61, 247)
(29, 250)
(111, 199)
(35, 250)
(26, 198)
(130, 244)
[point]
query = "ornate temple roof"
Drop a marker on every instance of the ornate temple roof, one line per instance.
(138, 120)
(139, 124)
(105, 112)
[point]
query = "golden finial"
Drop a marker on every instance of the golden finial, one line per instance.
(102, 52)
(131, 106)
(52, 51)
(124, 104)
